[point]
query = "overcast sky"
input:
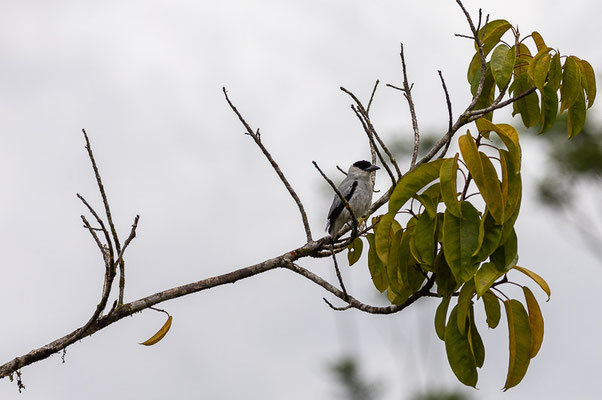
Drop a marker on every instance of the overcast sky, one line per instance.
(144, 78)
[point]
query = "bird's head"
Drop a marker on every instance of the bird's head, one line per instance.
(362, 168)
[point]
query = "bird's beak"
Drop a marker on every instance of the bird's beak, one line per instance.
(372, 168)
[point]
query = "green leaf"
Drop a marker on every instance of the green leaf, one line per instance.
(571, 84)
(424, 239)
(539, 42)
(459, 354)
(549, 107)
(474, 339)
(355, 251)
(397, 255)
(464, 303)
(576, 120)
(588, 80)
(160, 333)
(449, 191)
(519, 333)
(494, 30)
(485, 277)
(441, 317)
(555, 75)
(492, 309)
(376, 266)
(383, 233)
(523, 58)
(511, 185)
(535, 321)
(430, 199)
(539, 72)
(507, 133)
(538, 279)
(412, 182)
(488, 91)
(506, 256)
(502, 64)
(528, 106)
(446, 283)
(489, 237)
(484, 175)
(460, 240)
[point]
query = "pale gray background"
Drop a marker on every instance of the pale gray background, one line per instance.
(144, 78)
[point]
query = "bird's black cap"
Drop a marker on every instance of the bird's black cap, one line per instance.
(365, 165)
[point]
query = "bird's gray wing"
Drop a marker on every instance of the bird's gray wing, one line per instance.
(347, 188)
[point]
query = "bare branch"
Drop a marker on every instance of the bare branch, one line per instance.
(449, 112)
(372, 97)
(369, 128)
(407, 92)
(256, 137)
(105, 201)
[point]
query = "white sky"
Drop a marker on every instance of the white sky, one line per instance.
(144, 78)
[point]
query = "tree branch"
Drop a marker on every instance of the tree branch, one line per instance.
(257, 138)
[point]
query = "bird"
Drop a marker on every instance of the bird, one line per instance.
(356, 188)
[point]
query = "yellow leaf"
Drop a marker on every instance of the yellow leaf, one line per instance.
(519, 334)
(588, 79)
(449, 191)
(538, 279)
(538, 41)
(535, 320)
(160, 334)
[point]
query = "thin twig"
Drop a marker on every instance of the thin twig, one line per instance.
(407, 92)
(105, 202)
(449, 112)
(366, 119)
(372, 97)
(338, 271)
(100, 222)
(256, 137)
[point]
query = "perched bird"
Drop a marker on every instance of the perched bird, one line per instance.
(356, 188)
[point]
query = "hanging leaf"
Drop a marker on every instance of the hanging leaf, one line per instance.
(541, 66)
(489, 238)
(549, 107)
(424, 239)
(588, 80)
(397, 255)
(459, 354)
(460, 240)
(430, 199)
(449, 191)
(354, 251)
(519, 333)
(441, 317)
(160, 333)
(514, 184)
(376, 266)
(506, 256)
(571, 84)
(484, 175)
(528, 106)
(535, 320)
(412, 182)
(446, 283)
(383, 233)
(576, 120)
(464, 304)
(474, 339)
(502, 64)
(485, 277)
(523, 59)
(538, 279)
(507, 133)
(555, 75)
(492, 309)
